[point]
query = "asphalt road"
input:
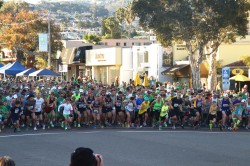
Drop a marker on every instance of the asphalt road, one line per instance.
(129, 147)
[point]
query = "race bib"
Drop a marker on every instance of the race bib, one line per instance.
(176, 105)
(31, 107)
(82, 106)
(118, 104)
(139, 107)
(16, 111)
(198, 104)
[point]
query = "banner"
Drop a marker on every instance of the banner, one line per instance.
(43, 42)
(167, 57)
(225, 78)
(63, 68)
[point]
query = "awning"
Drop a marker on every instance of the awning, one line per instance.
(173, 69)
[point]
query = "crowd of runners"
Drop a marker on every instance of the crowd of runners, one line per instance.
(48, 103)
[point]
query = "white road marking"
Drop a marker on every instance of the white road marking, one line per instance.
(206, 132)
(38, 134)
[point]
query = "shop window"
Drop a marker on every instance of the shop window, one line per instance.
(125, 44)
(118, 44)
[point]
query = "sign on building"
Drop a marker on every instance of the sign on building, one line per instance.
(225, 78)
(63, 68)
(167, 57)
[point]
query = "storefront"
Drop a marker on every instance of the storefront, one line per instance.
(104, 64)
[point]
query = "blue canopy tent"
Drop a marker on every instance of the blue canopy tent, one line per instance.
(1, 65)
(26, 72)
(14, 68)
(44, 72)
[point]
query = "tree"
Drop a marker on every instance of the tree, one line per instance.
(199, 23)
(125, 14)
(19, 32)
(91, 38)
(111, 26)
(246, 60)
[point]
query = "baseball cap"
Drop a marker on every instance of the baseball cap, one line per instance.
(146, 98)
(225, 95)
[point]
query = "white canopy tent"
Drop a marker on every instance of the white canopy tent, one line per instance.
(2, 69)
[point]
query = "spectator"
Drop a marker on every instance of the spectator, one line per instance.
(85, 157)
(6, 161)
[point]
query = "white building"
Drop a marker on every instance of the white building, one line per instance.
(106, 64)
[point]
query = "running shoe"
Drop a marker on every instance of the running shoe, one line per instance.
(43, 127)
(173, 128)
(182, 126)
(66, 128)
(160, 127)
(165, 124)
(35, 129)
(52, 125)
(62, 124)
(18, 130)
(144, 124)
(79, 125)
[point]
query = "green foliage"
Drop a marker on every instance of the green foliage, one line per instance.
(246, 60)
(110, 25)
(88, 24)
(91, 38)
(199, 21)
(19, 31)
(1, 4)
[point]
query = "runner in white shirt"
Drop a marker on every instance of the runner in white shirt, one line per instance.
(38, 111)
(67, 110)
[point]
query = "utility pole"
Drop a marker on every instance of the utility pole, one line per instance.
(49, 42)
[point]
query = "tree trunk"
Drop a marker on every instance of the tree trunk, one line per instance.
(212, 74)
(195, 68)
(195, 65)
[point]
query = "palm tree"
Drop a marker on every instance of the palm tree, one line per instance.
(129, 17)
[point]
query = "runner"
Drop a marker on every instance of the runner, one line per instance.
(81, 105)
(212, 115)
(239, 106)
(96, 107)
(157, 104)
(143, 111)
(67, 113)
(38, 111)
(129, 108)
(138, 102)
(29, 112)
(164, 114)
(50, 113)
(175, 114)
(107, 110)
(118, 107)
(15, 115)
(225, 109)
(247, 111)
